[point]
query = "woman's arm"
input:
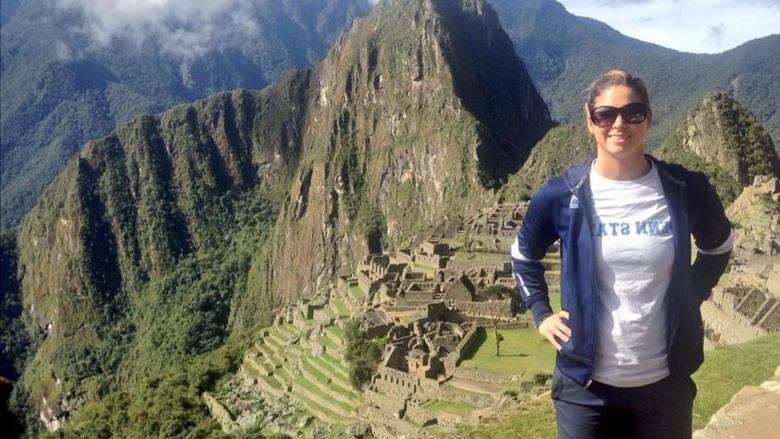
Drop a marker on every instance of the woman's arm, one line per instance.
(712, 231)
(534, 238)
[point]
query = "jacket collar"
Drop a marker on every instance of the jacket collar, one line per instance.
(576, 176)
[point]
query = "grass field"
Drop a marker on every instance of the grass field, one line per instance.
(728, 369)
(523, 352)
(454, 407)
(725, 371)
(357, 293)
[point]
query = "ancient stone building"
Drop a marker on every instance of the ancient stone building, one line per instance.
(503, 222)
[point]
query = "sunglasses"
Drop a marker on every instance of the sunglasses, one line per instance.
(605, 116)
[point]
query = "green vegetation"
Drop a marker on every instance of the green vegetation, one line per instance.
(168, 404)
(184, 314)
(357, 293)
(534, 419)
(746, 149)
(561, 147)
(14, 340)
(362, 353)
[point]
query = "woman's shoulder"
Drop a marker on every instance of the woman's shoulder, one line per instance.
(681, 174)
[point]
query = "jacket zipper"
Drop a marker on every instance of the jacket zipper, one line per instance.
(585, 211)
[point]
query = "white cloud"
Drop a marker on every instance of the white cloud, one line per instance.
(702, 26)
(184, 28)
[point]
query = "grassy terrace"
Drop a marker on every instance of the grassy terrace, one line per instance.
(453, 407)
(341, 307)
(479, 258)
(728, 369)
(357, 293)
(724, 372)
(523, 352)
(334, 365)
(314, 390)
(340, 381)
(329, 344)
(337, 331)
(317, 410)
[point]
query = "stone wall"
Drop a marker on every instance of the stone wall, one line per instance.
(499, 309)
(220, 413)
(471, 374)
(455, 394)
(729, 327)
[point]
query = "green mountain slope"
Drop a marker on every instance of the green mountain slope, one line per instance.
(178, 232)
(138, 256)
(60, 88)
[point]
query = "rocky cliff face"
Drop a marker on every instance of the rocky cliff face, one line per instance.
(417, 113)
(132, 259)
(723, 139)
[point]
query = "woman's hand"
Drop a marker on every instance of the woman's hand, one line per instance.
(554, 328)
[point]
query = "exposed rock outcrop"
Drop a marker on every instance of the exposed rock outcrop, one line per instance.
(754, 412)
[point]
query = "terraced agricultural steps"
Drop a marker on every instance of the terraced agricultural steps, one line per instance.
(282, 363)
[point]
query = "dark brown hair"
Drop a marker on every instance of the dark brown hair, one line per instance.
(613, 78)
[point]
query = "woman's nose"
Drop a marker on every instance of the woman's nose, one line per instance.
(618, 121)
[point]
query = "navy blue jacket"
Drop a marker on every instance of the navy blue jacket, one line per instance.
(561, 210)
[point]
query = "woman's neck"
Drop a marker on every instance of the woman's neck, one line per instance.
(615, 169)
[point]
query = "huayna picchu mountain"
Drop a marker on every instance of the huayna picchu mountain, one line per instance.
(721, 138)
(415, 116)
(178, 231)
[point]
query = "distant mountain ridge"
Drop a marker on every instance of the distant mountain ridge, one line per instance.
(60, 89)
(564, 53)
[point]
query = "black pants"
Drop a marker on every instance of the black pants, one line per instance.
(658, 410)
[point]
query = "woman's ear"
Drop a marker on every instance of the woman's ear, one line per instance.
(649, 118)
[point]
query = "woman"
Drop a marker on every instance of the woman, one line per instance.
(630, 332)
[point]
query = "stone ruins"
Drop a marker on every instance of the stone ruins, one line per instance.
(748, 305)
(425, 301)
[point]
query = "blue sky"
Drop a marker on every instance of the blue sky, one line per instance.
(701, 26)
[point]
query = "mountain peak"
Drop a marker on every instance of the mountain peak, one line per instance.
(419, 111)
(726, 141)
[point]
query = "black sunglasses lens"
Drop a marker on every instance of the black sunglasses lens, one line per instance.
(634, 113)
(604, 116)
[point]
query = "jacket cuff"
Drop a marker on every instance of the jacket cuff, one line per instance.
(541, 309)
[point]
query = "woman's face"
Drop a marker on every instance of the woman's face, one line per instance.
(621, 141)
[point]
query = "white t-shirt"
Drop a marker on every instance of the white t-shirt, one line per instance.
(634, 252)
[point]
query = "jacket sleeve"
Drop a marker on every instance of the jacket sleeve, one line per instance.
(534, 238)
(712, 233)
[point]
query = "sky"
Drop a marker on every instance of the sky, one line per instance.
(191, 28)
(699, 26)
